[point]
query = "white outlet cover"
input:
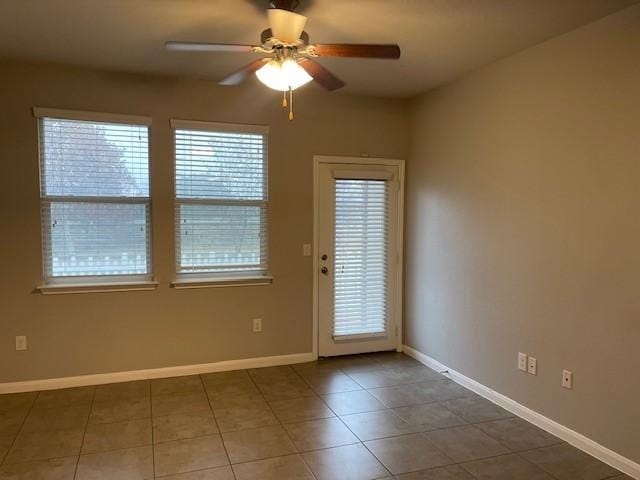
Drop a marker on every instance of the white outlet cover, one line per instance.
(567, 379)
(306, 250)
(522, 361)
(257, 325)
(532, 366)
(21, 342)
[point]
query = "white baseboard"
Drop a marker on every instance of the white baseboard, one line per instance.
(182, 370)
(576, 439)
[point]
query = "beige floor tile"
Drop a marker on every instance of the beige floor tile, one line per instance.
(332, 383)
(346, 403)
(476, 409)
(379, 424)
(120, 410)
(114, 436)
(323, 433)
(45, 445)
(505, 467)
(299, 409)
(429, 416)
(229, 384)
(185, 402)
(285, 389)
(190, 383)
(5, 444)
(467, 443)
(291, 467)
(257, 444)
(54, 469)
(351, 462)
(450, 472)
(377, 378)
(12, 420)
(57, 418)
(244, 416)
(407, 453)
(188, 455)
(183, 425)
(64, 397)
(565, 462)
(405, 395)
(12, 401)
(124, 390)
(127, 464)
(269, 374)
(518, 434)
(218, 473)
(445, 389)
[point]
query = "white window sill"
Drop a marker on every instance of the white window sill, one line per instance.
(215, 282)
(68, 288)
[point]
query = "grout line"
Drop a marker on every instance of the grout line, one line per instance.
(24, 420)
(282, 425)
(215, 421)
(84, 434)
(153, 449)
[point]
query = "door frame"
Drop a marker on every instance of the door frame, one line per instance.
(397, 314)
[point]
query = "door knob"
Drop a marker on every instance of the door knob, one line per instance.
(324, 270)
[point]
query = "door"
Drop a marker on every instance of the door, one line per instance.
(358, 258)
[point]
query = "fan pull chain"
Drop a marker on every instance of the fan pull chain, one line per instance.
(284, 99)
(290, 103)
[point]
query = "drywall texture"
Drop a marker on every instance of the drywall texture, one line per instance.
(94, 333)
(523, 227)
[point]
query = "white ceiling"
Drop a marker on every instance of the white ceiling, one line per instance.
(440, 39)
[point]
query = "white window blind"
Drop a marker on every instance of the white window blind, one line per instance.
(94, 179)
(361, 256)
(221, 201)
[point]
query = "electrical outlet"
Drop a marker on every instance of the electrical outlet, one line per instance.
(257, 325)
(532, 366)
(21, 342)
(522, 361)
(567, 379)
(306, 250)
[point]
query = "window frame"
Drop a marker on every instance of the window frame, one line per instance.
(199, 279)
(93, 283)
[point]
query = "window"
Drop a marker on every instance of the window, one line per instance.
(221, 200)
(94, 181)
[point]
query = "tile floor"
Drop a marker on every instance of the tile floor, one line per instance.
(378, 416)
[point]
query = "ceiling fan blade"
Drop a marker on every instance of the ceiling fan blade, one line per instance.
(206, 47)
(357, 50)
(320, 74)
(286, 26)
(237, 77)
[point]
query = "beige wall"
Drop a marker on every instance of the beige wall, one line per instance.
(94, 333)
(523, 227)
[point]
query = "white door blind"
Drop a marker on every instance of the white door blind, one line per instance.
(221, 202)
(361, 252)
(95, 199)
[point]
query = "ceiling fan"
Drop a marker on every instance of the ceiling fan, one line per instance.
(290, 62)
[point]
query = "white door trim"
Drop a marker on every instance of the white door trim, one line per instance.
(317, 161)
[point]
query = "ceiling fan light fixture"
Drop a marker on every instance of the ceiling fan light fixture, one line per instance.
(283, 75)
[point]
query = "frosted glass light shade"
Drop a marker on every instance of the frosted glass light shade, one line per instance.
(283, 75)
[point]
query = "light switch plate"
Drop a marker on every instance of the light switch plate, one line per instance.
(532, 367)
(522, 361)
(306, 250)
